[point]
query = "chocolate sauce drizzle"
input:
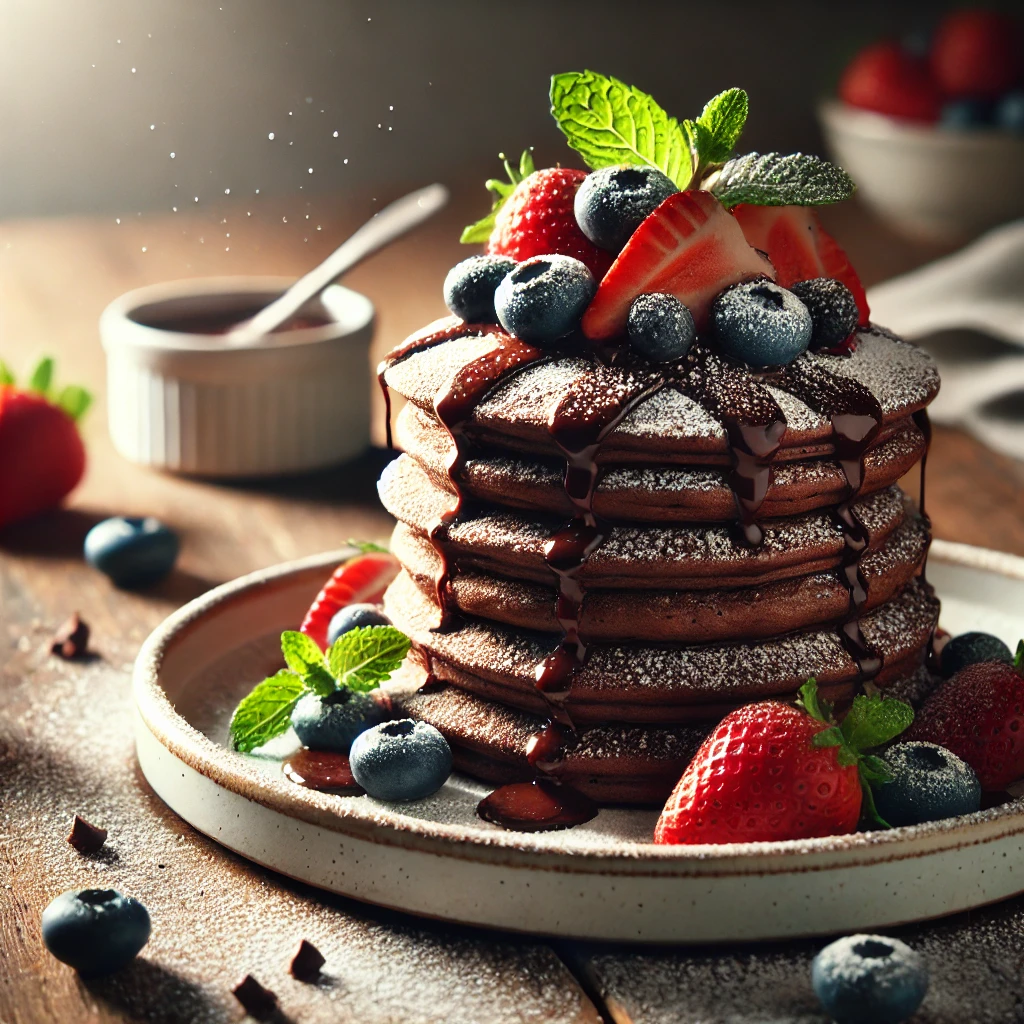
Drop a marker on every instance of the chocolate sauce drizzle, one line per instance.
(593, 405)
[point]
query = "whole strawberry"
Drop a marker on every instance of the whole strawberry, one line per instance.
(979, 715)
(533, 215)
(771, 771)
(42, 457)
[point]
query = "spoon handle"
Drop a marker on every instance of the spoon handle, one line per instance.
(393, 221)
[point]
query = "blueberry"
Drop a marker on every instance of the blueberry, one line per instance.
(403, 760)
(1009, 112)
(928, 783)
(761, 324)
(611, 202)
(869, 979)
(966, 115)
(470, 285)
(833, 309)
(972, 648)
(133, 552)
(660, 327)
(96, 931)
(353, 616)
(334, 721)
(543, 298)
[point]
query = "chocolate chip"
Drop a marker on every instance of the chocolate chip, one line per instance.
(257, 1001)
(306, 962)
(86, 837)
(72, 639)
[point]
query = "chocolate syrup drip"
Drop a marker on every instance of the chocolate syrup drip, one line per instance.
(321, 769)
(924, 424)
(856, 418)
(537, 806)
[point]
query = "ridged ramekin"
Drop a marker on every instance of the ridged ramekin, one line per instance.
(187, 403)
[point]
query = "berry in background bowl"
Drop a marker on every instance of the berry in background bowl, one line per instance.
(932, 130)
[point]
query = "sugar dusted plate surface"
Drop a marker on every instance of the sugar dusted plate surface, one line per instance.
(600, 880)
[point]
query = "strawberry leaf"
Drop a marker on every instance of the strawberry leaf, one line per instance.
(777, 180)
(42, 377)
(872, 721)
(873, 769)
(812, 704)
(830, 737)
(1018, 658)
(608, 122)
(265, 712)
(367, 547)
(363, 658)
(723, 119)
(74, 401)
(6, 374)
(869, 811)
(480, 232)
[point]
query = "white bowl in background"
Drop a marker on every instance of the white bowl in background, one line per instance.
(931, 183)
(181, 401)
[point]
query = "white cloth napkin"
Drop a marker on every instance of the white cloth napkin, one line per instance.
(967, 309)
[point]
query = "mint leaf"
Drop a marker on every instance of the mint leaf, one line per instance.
(872, 721)
(777, 180)
(723, 119)
(74, 401)
(480, 232)
(6, 374)
(367, 547)
(301, 653)
(42, 376)
(608, 122)
(264, 714)
(363, 658)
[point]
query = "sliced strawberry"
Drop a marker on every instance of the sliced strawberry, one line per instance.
(360, 579)
(799, 247)
(689, 247)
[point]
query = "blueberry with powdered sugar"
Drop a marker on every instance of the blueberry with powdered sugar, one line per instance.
(470, 285)
(543, 298)
(660, 327)
(833, 309)
(401, 761)
(613, 201)
(971, 649)
(928, 783)
(869, 979)
(760, 324)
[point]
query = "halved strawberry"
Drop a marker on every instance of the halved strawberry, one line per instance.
(689, 247)
(360, 579)
(799, 247)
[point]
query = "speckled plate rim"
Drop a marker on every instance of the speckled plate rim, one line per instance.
(385, 824)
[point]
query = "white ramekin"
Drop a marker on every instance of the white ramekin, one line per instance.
(186, 403)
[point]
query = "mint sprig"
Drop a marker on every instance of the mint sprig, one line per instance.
(367, 547)
(359, 660)
(870, 722)
(481, 231)
(772, 179)
(722, 119)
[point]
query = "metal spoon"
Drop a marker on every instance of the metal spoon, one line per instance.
(390, 223)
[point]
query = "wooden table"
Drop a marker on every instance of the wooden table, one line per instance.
(66, 728)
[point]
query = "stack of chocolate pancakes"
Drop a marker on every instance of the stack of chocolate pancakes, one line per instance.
(601, 557)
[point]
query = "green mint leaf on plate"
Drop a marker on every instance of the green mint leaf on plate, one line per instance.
(480, 232)
(265, 713)
(608, 122)
(363, 658)
(367, 547)
(723, 119)
(772, 179)
(301, 653)
(873, 721)
(6, 374)
(74, 401)
(42, 377)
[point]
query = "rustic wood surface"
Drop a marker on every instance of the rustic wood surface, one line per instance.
(65, 728)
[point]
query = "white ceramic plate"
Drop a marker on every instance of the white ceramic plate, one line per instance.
(602, 880)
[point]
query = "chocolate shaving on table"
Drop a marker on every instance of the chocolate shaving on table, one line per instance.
(86, 837)
(257, 1001)
(72, 639)
(306, 962)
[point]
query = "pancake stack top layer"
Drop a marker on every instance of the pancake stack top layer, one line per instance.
(602, 556)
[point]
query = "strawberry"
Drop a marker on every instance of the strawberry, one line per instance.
(976, 54)
(771, 771)
(979, 715)
(42, 457)
(689, 247)
(538, 219)
(799, 247)
(886, 78)
(360, 579)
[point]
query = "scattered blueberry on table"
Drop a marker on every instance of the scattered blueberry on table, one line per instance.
(95, 931)
(660, 327)
(612, 202)
(833, 309)
(928, 783)
(971, 649)
(132, 551)
(869, 979)
(761, 324)
(543, 298)
(355, 616)
(333, 722)
(401, 761)
(470, 286)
